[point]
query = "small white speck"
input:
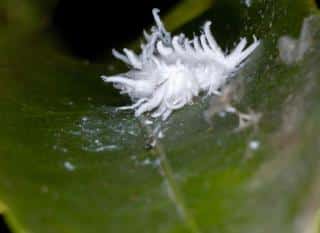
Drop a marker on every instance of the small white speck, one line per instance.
(148, 122)
(247, 2)
(84, 119)
(160, 134)
(146, 162)
(222, 114)
(270, 25)
(153, 143)
(153, 163)
(254, 145)
(231, 109)
(69, 166)
(106, 148)
(61, 149)
(157, 162)
(131, 132)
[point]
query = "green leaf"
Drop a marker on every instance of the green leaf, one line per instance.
(70, 163)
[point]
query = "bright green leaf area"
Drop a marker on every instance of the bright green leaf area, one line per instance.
(70, 163)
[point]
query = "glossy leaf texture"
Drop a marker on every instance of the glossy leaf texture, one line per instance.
(69, 162)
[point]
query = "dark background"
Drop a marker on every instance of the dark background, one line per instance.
(87, 29)
(3, 226)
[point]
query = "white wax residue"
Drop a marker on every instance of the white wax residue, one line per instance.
(69, 166)
(254, 145)
(247, 2)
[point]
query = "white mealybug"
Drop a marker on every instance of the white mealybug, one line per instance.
(170, 71)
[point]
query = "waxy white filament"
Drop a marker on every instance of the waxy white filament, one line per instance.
(170, 71)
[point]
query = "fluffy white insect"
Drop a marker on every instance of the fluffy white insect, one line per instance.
(171, 71)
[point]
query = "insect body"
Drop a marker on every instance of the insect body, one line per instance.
(170, 71)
